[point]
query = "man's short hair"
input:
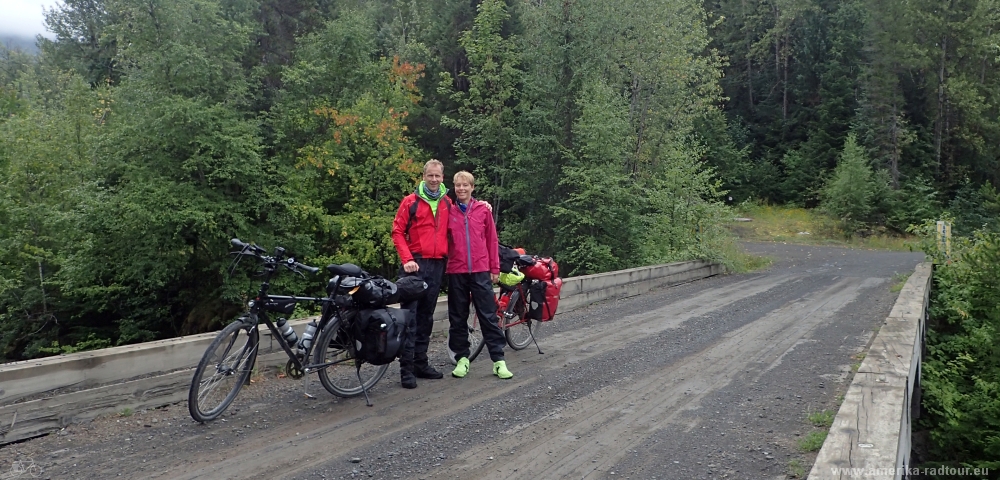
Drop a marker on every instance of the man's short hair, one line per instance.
(433, 162)
(463, 175)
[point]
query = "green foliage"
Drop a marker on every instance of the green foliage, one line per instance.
(851, 193)
(913, 203)
(596, 227)
(975, 209)
(961, 371)
(486, 110)
(91, 343)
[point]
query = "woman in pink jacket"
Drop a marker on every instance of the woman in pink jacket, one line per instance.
(473, 268)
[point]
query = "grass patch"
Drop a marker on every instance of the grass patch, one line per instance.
(795, 468)
(822, 419)
(813, 442)
(898, 281)
(769, 223)
(738, 260)
(126, 412)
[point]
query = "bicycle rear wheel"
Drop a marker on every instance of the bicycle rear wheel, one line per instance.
(223, 370)
(341, 378)
(519, 335)
(476, 342)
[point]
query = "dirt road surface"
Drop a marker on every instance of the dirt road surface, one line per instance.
(711, 379)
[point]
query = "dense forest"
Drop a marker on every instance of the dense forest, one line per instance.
(608, 134)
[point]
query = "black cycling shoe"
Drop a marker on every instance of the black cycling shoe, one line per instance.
(407, 379)
(427, 371)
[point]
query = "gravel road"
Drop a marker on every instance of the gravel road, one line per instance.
(711, 379)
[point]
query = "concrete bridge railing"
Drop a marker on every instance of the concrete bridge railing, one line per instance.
(44, 395)
(870, 436)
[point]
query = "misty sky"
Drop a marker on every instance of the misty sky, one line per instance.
(23, 17)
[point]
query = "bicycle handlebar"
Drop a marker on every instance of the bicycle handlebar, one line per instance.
(297, 265)
(259, 252)
(247, 246)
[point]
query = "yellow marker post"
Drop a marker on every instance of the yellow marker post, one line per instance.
(944, 237)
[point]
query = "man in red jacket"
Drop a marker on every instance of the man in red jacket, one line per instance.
(473, 268)
(420, 234)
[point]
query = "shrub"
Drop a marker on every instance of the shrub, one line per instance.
(851, 193)
(961, 371)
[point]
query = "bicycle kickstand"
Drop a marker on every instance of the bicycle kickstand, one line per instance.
(305, 387)
(362, 383)
(540, 352)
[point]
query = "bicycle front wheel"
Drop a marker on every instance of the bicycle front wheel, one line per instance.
(341, 376)
(519, 335)
(223, 370)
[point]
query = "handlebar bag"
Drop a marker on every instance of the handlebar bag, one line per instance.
(380, 333)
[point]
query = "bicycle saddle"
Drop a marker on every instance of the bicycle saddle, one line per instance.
(347, 269)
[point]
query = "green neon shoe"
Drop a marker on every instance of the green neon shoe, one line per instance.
(500, 370)
(461, 369)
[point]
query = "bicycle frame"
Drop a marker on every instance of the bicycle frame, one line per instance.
(258, 311)
(504, 308)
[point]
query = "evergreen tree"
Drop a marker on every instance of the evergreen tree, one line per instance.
(850, 194)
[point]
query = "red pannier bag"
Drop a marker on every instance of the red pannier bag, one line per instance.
(543, 269)
(551, 298)
(543, 299)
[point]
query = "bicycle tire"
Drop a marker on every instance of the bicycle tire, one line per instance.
(229, 358)
(341, 378)
(518, 336)
(476, 341)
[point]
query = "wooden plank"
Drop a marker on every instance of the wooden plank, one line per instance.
(912, 300)
(867, 431)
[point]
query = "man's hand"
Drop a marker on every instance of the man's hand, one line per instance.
(410, 267)
(488, 207)
(495, 277)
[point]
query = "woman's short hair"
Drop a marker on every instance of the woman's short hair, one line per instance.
(463, 175)
(433, 162)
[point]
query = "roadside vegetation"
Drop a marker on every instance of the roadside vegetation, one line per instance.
(789, 224)
(960, 379)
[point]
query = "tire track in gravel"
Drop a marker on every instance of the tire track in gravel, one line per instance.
(590, 435)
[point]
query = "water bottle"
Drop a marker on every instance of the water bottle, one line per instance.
(286, 331)
(307, 336)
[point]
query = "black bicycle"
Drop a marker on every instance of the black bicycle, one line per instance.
(227, 364)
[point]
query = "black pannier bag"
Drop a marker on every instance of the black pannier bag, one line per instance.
(507, 258)
(410, 288)
(375, 293)
(379, 334)
(536, 299)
